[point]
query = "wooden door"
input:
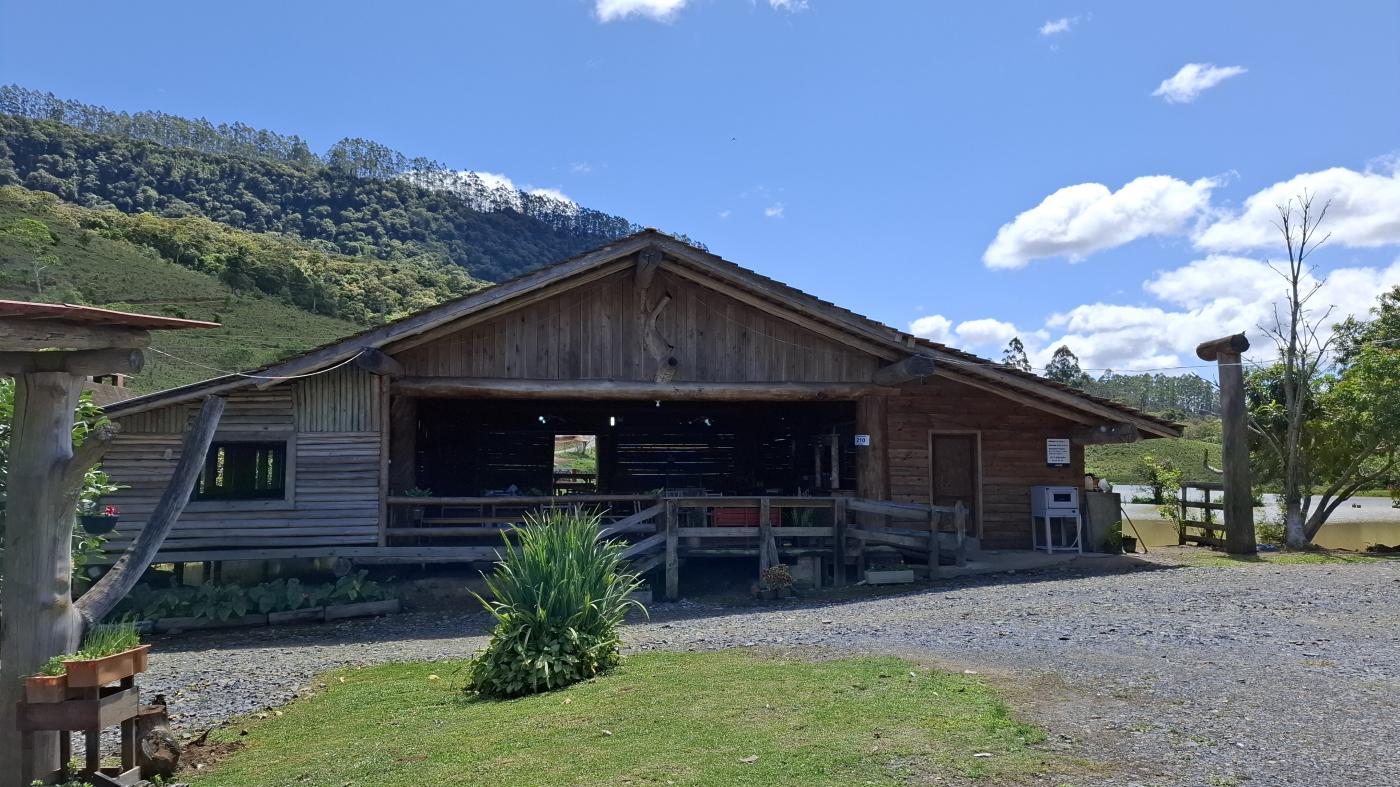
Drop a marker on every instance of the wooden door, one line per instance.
(955, 473)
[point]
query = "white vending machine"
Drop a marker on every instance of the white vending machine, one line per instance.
(1056, 523)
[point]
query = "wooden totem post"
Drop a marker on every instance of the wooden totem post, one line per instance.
(49, 350)
(1239, 498)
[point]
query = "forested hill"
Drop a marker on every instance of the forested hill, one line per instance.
(360, 198)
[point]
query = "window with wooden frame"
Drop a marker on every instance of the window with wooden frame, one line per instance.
(243, 470)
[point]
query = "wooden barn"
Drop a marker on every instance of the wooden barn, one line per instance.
(723, 412)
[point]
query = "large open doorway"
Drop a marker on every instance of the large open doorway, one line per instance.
(485, 447)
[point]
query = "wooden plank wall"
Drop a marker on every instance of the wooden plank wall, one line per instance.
(1012, 452)
(595, 332)
(333, 420)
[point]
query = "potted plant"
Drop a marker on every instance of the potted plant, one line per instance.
(96, 524)
(415, 512)
(776, 582)
(49, 684)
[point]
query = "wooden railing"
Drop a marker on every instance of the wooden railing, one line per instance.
(771, 527)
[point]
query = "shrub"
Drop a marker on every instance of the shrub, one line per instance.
(558, 598)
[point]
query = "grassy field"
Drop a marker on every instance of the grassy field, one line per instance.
(87, 268)
(731, 717)
(1219, 560)
(1122, 464)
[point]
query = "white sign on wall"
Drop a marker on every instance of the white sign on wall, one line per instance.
(862, 439)
(1057, 452)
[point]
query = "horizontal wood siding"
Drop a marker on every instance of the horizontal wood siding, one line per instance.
(1012, 452)
(596, 331)
(335, 496)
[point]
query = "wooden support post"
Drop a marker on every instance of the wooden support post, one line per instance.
(960, 527)
(839, 516)
(403, 439)
(934, 567)
(673, 579)
(1239, 506)
(1181, 516)
(767, 554)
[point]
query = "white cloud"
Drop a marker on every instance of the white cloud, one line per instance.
(1078, 220)
(985, 332)
(1201, 281)
(553, 193)
(1194, 78)
(580, 168)
(1364, 211)
(1057, 26)
(657, 10)
(774, 211)
(934, 327)
(788, 5)
(724, 214)
(1206, 299)
(493, 180)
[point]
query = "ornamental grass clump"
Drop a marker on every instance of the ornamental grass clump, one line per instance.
(558, 598)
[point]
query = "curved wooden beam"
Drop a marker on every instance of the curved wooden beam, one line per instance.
(116, 583)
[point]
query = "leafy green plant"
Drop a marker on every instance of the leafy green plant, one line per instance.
(54, 666)
(354, 588)
(219, 602)
(558, 598)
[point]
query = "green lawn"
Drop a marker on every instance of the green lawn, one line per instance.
(731, 717)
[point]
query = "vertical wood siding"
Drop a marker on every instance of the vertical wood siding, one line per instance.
(596, 332)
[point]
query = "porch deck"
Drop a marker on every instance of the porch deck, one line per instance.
(836, 533)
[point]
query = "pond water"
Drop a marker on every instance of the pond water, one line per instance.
(1359, 523)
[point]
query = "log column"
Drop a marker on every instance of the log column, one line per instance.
(1239, 505)
(40, 619)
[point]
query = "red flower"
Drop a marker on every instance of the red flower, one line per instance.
(110, 511)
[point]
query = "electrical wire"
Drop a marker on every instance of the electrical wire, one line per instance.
(227, 373)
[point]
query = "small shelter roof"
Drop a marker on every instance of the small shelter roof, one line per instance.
(93, 316)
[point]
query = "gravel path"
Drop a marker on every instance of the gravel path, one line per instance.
(1266, 675)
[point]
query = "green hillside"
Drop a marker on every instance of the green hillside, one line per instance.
(42, 238)
(351, 204)
(1122, 464)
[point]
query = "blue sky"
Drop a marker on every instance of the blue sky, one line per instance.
(877, 154)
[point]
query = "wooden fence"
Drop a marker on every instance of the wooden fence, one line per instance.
(662, 529)
(1209, 529)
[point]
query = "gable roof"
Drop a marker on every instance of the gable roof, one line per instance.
(709, 270)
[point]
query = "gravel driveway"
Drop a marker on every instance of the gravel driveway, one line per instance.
(1265, 675)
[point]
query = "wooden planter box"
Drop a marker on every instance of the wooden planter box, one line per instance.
(167, 625)
(362, 609)
(309, 615)
(46, 688)
(889, 576)
(86, 673)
